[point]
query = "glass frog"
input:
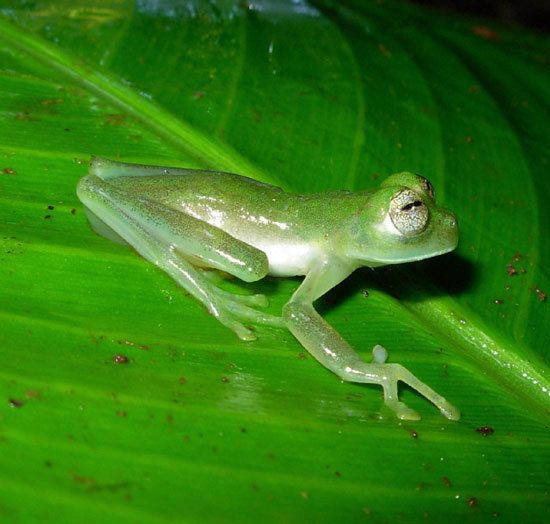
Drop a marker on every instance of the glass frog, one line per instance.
(191, 222)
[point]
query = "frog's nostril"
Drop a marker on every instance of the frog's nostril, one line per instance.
(451, 221)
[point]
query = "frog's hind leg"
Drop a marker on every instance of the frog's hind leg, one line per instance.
(169, 238)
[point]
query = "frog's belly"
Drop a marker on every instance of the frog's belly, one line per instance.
(286, 260)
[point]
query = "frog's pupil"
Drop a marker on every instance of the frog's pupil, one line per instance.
(408, 207)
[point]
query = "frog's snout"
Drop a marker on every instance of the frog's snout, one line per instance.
(451, 226)
(450, 221)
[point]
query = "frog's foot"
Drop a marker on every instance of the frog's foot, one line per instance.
(391, 374)
(388, 376)
(231, 310)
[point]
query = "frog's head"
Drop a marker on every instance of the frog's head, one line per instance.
(401, 223)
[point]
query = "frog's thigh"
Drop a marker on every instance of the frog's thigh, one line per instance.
(136, 230)
(193, 238)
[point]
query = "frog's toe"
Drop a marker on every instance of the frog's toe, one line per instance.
(257, 317)
(449, 411)
(257, 300)
(402, 411)
(239, 329)
(379, 354)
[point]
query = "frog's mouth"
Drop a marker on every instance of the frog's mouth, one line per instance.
(412, 249)
(424, 256)
(409, 258)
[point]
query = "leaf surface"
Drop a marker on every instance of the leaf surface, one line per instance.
(311, 97)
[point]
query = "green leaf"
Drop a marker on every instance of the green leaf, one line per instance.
(198, 425)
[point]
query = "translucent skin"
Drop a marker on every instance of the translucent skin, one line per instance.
(182, 220)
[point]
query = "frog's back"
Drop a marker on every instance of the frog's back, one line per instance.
(187, 186)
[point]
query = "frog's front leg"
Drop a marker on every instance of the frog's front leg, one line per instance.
(170, 239)
(331, 350)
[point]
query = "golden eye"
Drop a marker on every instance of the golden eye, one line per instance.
(408, 213)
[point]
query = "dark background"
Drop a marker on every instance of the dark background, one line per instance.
(530, 13)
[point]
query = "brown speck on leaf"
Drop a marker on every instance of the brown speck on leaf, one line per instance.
(367, 510)
(384, 50)
(115, 119)
(8, 171)
(182, 380)
(523, 271)
(446, 481)
(414, 434)
(170, 419)
(32, 393)
(81, 479)
(473, 89)
(73, 211)
(486, 32)
(121, 413)
(133, 344)
(50, 207)
(47, 217)
(225, 380)
(472, 502)
(485, 430)
(197, 95)
(304, 494)
(498, 301)
(51, 101)
(121, 359)
(15, 403)
(468, 139)
(337, 474)
(511, 270)
(301, 356)
(516, 257)
(541, 294)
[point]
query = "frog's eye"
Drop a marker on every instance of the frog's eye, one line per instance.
(408, 213)
(427, 186)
